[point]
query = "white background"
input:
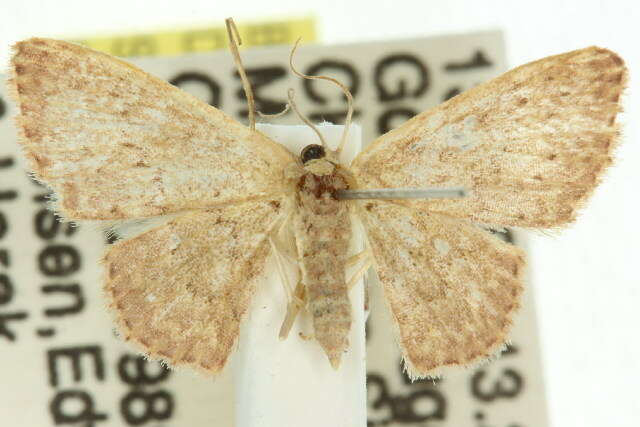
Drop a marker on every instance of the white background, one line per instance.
(585, 278)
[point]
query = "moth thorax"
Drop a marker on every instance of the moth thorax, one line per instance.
(322, 186)
(320, 167)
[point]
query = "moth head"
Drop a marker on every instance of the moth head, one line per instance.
(312, 152)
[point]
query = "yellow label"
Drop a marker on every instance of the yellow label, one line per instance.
(177, 42)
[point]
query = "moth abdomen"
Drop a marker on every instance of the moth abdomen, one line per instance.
(322, 227)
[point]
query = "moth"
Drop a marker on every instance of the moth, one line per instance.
(116, 144)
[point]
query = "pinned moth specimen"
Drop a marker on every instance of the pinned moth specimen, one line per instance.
(116, 144)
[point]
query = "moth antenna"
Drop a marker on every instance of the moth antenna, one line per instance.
(292, 103)
(234, 42)
(345, 90)
(287, 107)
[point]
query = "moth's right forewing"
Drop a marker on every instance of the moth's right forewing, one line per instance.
(180, 291)
(530, 145)
(114, 142)
(453, 289)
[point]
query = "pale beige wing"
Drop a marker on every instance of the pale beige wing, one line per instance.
(115, 142)
(531, 144)
(181, 290)
(452, 287)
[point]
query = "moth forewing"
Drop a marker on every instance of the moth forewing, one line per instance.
(530, 145)
(115, 143)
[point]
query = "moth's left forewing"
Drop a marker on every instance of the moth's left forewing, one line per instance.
(531, 145)
(453, 289)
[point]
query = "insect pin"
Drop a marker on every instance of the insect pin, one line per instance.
(118, 145)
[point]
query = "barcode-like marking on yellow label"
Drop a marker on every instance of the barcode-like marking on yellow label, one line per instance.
(205, 39)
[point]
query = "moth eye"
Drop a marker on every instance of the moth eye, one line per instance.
(311, 152)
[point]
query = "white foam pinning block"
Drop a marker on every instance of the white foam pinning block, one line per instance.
(290, 383)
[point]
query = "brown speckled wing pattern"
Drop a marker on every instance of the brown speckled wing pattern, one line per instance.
(180, 291)
(115, 143)
(106, 137)
(530, 145)
(452, 287)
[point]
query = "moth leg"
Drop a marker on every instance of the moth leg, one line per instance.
(282, 250)
(361, 272)
(366, 257)
(285, 244)
(354, 259)
(298, 301)
(284, 277)
(295, 300)
(286, 248)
